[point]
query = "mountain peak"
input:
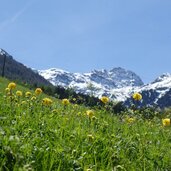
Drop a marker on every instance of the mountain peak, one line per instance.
(163, 77)
(123, 75)
(102, 81)
(56, 70)
(99, 71)
(3, 52)
(117, 69)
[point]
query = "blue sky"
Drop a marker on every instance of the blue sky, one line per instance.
(82, 35)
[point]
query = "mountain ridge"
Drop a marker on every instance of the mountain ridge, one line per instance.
(117, 77)
(15, 70)
(118, 84)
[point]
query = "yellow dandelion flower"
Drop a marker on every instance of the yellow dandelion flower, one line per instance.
(137, 96)
(33, 98)
(47, 102)
(130, 120)
(166, 122)
(90, 113)
(19, 93)
(23, 102)
(104, 99)
(94, 118)
(11, 85)
(9, 94)
(65, 102)
(28, 94)
(55, 111)
(38, 91)
(7, 90)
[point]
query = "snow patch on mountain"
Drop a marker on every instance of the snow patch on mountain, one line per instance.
(156, 93)
(116, 83)
(161, 86)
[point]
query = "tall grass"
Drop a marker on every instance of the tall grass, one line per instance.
(62, 137)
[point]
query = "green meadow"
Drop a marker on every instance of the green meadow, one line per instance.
(42, 133)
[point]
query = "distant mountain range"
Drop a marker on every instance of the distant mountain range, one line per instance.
(118, 84)
(111, 83)
(157, 93)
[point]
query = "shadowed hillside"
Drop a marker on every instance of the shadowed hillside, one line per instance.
(17, 71)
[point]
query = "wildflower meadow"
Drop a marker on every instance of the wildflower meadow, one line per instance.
(42, 133)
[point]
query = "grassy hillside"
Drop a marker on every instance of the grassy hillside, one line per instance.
(41, 133)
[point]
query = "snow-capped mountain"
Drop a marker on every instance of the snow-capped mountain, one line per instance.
(115, 83)
(118, 84)
(157, 93)
(115, 78)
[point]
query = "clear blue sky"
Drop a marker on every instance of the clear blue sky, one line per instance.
(82, 35)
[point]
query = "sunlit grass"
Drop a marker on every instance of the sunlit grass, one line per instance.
(43, 133)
